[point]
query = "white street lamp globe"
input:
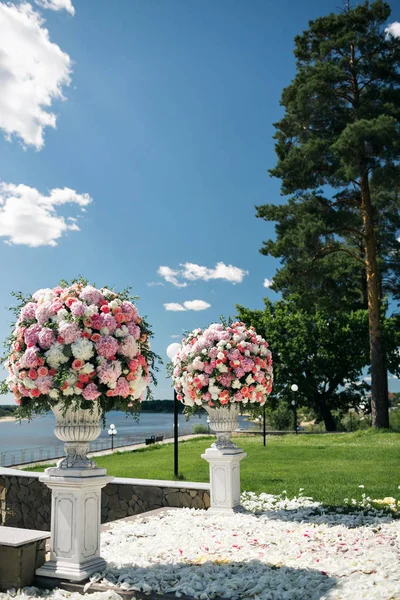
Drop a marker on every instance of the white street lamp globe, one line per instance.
(112, 426)
(294, 387)
(173, 350)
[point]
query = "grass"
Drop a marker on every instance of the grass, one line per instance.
(328, 467)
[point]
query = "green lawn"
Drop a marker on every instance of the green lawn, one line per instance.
(328, 467)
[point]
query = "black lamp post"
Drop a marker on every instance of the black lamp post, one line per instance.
(172, 351)
(294, 389)
(111, 432)
(264, 428)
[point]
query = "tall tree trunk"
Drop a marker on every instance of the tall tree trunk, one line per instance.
(325, 413)
(379, 396)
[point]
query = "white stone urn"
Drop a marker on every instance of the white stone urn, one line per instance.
(223, 421)
(77, 428)
(76, 485)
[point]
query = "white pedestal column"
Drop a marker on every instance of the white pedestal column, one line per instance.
(224, 478)
(75, 525)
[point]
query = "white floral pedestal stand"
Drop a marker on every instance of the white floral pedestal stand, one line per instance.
(224, 459)
(76, 485)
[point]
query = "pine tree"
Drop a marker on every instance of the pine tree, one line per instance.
(339, 140)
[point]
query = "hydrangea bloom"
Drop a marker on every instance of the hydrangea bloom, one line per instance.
(78, 341)
(222, 365)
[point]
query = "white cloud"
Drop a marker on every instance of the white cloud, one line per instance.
(170, 276)
(191, 272)
(188, 305)
(57, 5)
(393, 29)
(30, 218)
(33, 72)
(367, 378)
(230, 273)
(174, 306)
(196, 305)
(155, 283)
(176, 336)
(268, 282)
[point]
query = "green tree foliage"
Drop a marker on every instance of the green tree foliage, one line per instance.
(338, 147)
(321, 351)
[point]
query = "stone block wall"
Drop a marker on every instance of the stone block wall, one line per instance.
(26, 502)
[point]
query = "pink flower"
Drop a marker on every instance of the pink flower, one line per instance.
(28, 312)
(91, 296)
(69, 331)
(134, 330)
(78, 309)
(129, 347)
(239, 372)
(31, 334)
(129, 310)
(43, 313)
(107, 346)
(34, 393)
(108, 372)
(56, 306)
(44, 384)
(42, 371)
(226, 380)
(109, 321)
(91, 392)
(96, 321)
(77, 364)
(208, 368)
(46, 338)
(122, 388)
(32, 374)
(29, 359)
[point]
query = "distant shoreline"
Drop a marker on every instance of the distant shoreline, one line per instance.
(7, 419)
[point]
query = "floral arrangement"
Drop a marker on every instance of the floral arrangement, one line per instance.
(223, 364)
(76, 343)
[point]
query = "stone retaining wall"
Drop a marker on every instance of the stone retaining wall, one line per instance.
(25, 501)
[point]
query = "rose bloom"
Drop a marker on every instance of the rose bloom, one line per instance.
(77, 364)
(42, 371)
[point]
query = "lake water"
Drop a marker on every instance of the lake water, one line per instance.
(35, 440)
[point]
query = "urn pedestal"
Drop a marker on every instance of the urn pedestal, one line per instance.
(76, 485)
(224, 459)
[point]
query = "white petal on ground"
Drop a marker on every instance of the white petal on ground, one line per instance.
(292, 550)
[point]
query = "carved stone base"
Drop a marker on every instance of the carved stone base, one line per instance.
(224, 478)
(75, 526)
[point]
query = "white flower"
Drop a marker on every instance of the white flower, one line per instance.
(249, 379)
(112, 386)
(54, 394)
(113, 304)
(91, 310)
(204, 351)
(29, 383)
(77, 391)
(43, 295)
(104, 331)
(72, 378)
(214, 396)
(121, 331)
(55, 356)
(222, 368)
(69, 391)
(60, 316)
(82, 349)
(236, 384)
(220, 355)
(87, 368)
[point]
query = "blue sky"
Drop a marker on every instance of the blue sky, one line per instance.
(166, 123)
